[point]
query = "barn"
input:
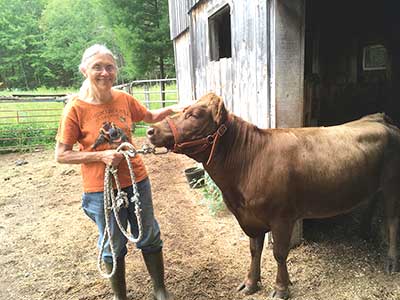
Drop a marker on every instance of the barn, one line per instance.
(290, 63)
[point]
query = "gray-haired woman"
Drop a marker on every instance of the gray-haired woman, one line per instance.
(97, 105)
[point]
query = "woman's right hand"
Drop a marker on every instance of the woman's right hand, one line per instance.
(111, 157)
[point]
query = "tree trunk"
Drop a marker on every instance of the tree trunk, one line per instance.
(23, 72)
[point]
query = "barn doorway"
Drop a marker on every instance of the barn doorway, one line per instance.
(352, 60)
(351, 68)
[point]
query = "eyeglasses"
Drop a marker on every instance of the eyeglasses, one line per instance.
(99, 68)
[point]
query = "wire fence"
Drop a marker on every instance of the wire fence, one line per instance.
(30, 121)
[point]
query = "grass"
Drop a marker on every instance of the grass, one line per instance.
(27, 124)
(151, 97)
(212, 196)
(39, 91)
(28, 112)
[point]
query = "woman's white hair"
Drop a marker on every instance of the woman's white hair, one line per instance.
(90, 52)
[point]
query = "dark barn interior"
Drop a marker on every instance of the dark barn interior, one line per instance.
(352, 68)
(352, 60)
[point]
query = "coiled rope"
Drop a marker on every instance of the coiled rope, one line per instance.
(114, 203)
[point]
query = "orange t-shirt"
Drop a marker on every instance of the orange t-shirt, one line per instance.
(81, 123)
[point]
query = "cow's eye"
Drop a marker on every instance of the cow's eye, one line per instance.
(191, 115)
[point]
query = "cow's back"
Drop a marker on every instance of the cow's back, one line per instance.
(325, 171)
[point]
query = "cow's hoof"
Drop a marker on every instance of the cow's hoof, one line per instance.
(391, 266)
(248, 289)
(280, 294)
(163, 295)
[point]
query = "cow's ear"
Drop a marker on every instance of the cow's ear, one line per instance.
(219, 111)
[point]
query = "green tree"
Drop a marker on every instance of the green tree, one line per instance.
(142, 30)
(21, 43)
(69, 27)
(41, 41)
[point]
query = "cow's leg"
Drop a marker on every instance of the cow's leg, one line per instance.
(281, 234)
(250, 284)
(391, 193)
(392, 264)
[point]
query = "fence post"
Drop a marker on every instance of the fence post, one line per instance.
(146, 95)
(162, 94)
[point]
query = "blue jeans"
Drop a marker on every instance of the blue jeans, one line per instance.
(93, 206)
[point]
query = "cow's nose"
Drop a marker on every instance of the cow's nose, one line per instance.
(150, 131)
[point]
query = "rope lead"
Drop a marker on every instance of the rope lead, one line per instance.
(114, 203)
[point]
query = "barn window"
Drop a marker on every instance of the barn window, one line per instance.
(374, 57)
(219, 25)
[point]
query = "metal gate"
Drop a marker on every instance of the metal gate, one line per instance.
(30, 121)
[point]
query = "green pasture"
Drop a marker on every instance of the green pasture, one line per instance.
(27, 124)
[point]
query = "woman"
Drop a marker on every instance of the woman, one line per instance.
(87, 120)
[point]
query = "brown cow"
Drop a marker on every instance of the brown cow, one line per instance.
(270, 178)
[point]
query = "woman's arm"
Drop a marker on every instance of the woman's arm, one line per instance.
(65, 155)
(156, 115)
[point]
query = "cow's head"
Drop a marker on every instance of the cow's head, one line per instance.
(189, 132)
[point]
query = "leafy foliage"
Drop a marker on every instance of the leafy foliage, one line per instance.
(69, 29)
(21, 43)
(41, 41)
(146, 24)
(212, 196)
(18, 136)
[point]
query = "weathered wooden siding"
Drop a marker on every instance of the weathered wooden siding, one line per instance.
(251, 59)
(178, 16)
(192, 3)
(242, 80)
(183, 69)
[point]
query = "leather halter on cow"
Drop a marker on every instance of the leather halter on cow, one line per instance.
(270, 178)
(198, 145)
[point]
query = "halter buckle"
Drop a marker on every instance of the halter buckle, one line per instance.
(221, 130)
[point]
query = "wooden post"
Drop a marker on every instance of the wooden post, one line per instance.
(289, 33)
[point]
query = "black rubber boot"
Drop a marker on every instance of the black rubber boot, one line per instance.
(155, 267)
(118, 283)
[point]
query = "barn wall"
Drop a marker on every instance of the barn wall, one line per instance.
(243, 79)
(263, 80)
(178, 16)
(251, 60)
(183, 70)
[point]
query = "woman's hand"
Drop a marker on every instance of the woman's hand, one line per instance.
(111, 157)
(177, 108)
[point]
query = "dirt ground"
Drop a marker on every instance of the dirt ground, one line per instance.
(48, 246)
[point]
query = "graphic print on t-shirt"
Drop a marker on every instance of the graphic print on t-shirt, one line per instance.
(111, 134)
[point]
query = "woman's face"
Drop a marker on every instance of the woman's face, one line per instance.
(101, 72)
